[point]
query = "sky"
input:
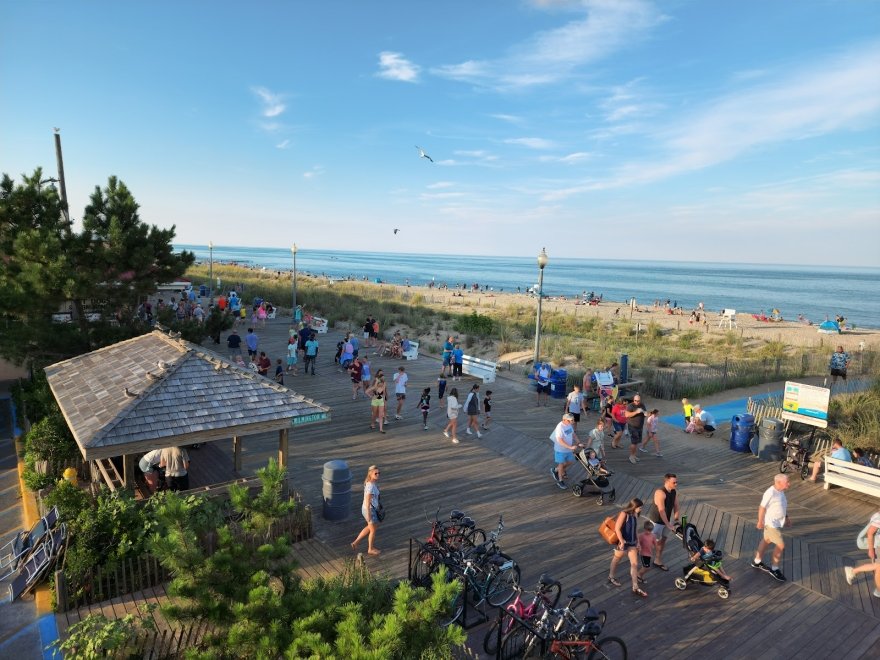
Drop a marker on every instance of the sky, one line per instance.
(689, 130)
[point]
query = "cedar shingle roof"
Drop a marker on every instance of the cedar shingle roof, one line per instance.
(154, 391)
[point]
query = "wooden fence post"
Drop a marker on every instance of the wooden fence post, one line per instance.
(61, 591)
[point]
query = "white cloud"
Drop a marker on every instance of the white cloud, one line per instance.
(317, 170)
(570, 159)
(284, 144)
(553, 55)
(511, 119)
(835, 95)
(627, 102)
(272, 102)
(531, 142)
(440, 184)
(394, 66)
(441, 195)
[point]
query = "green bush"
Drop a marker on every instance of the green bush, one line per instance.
(475, 324)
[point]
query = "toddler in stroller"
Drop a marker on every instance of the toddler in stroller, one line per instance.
(706, 568)
(597, 481)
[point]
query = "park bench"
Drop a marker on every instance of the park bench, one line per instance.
(852, 475)
(479, 368)
(413, 352)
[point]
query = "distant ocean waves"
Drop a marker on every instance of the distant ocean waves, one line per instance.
(814, 291)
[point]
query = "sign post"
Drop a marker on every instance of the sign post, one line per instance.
(807, 404)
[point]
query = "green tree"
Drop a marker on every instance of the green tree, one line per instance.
(107, 267)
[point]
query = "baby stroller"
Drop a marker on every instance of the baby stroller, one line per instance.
(597, 481)
(705, 570)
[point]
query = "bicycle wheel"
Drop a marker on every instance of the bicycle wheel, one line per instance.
(783, 465)
(474, 538)
(453, 612)
(805, 469)
(514, 643)
(609, 648)
(551, 593)
(501, 586)
(575, 615)
(426, 562)
(490, 641)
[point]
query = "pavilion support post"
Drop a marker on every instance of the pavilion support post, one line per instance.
(283, 444)
(128, 467)
(236, 454)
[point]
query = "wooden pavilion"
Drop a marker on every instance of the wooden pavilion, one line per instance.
(157, 391)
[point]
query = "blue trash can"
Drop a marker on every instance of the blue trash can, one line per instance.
(558, 383)
(203, 290)
(742, 429)
(623, 369)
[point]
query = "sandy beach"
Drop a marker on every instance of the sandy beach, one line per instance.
(790, 332)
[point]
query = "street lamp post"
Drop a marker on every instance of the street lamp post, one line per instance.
(542, 261)
(211, 272)
(293, 251)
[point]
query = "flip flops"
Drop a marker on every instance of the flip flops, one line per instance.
(662, 567)
(639, 592)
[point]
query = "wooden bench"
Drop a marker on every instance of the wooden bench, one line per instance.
(483, 369)
(413, 352)
(852, 475)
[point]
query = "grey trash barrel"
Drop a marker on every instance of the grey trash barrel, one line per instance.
(337, 490)
(770, 435)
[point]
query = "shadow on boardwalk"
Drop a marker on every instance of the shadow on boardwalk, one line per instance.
(548, 530)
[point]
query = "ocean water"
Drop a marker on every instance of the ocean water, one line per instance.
(814, 291)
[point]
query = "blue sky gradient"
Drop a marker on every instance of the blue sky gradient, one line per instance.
(685, 130)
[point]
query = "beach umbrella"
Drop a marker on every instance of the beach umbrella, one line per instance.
(829, 328)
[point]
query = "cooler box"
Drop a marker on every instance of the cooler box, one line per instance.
(742, 429)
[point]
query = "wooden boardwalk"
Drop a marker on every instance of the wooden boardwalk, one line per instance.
(548, 530)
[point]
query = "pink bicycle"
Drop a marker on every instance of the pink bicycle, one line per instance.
(544, 597)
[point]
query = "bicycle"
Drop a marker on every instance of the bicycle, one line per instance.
(487, 574)
(545, 596)
(609, 648)
(529, 641)
(446, 536)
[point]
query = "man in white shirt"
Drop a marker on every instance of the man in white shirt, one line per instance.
(705, 422)
(772, 517)
(400, 379)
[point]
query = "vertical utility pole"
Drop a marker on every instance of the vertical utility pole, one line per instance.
(65, 209)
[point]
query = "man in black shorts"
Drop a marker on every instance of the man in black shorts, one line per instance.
(663, 514)
(635, 420)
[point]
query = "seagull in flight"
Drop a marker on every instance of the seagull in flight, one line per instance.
(422, 154)
(397, 230)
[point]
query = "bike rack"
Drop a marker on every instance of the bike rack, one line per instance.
(522, 622)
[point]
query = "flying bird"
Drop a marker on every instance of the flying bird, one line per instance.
(422, 154)
(397, 230)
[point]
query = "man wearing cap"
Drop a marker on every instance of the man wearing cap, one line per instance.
(565, 441)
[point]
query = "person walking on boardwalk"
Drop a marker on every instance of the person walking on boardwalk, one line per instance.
(311, 349)
(378, 396)
(424, 405)
(651, 427)
(565, 441)
(452, 408)
(252, 341)
(355, 371)
(233, 342)
(838, 365)
(626, 526)
(772, 517)
(400, 381)
(369, 510)
(472, 410)
(457, 362)
(574, 404)
(870, 542)
(487, 410)
(635, 420)
(663, 515)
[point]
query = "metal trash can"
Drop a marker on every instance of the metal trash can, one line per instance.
(770, 435)
(203, 291)
(623, 368)
(742, 428)
(558, 383)
(337, 490)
